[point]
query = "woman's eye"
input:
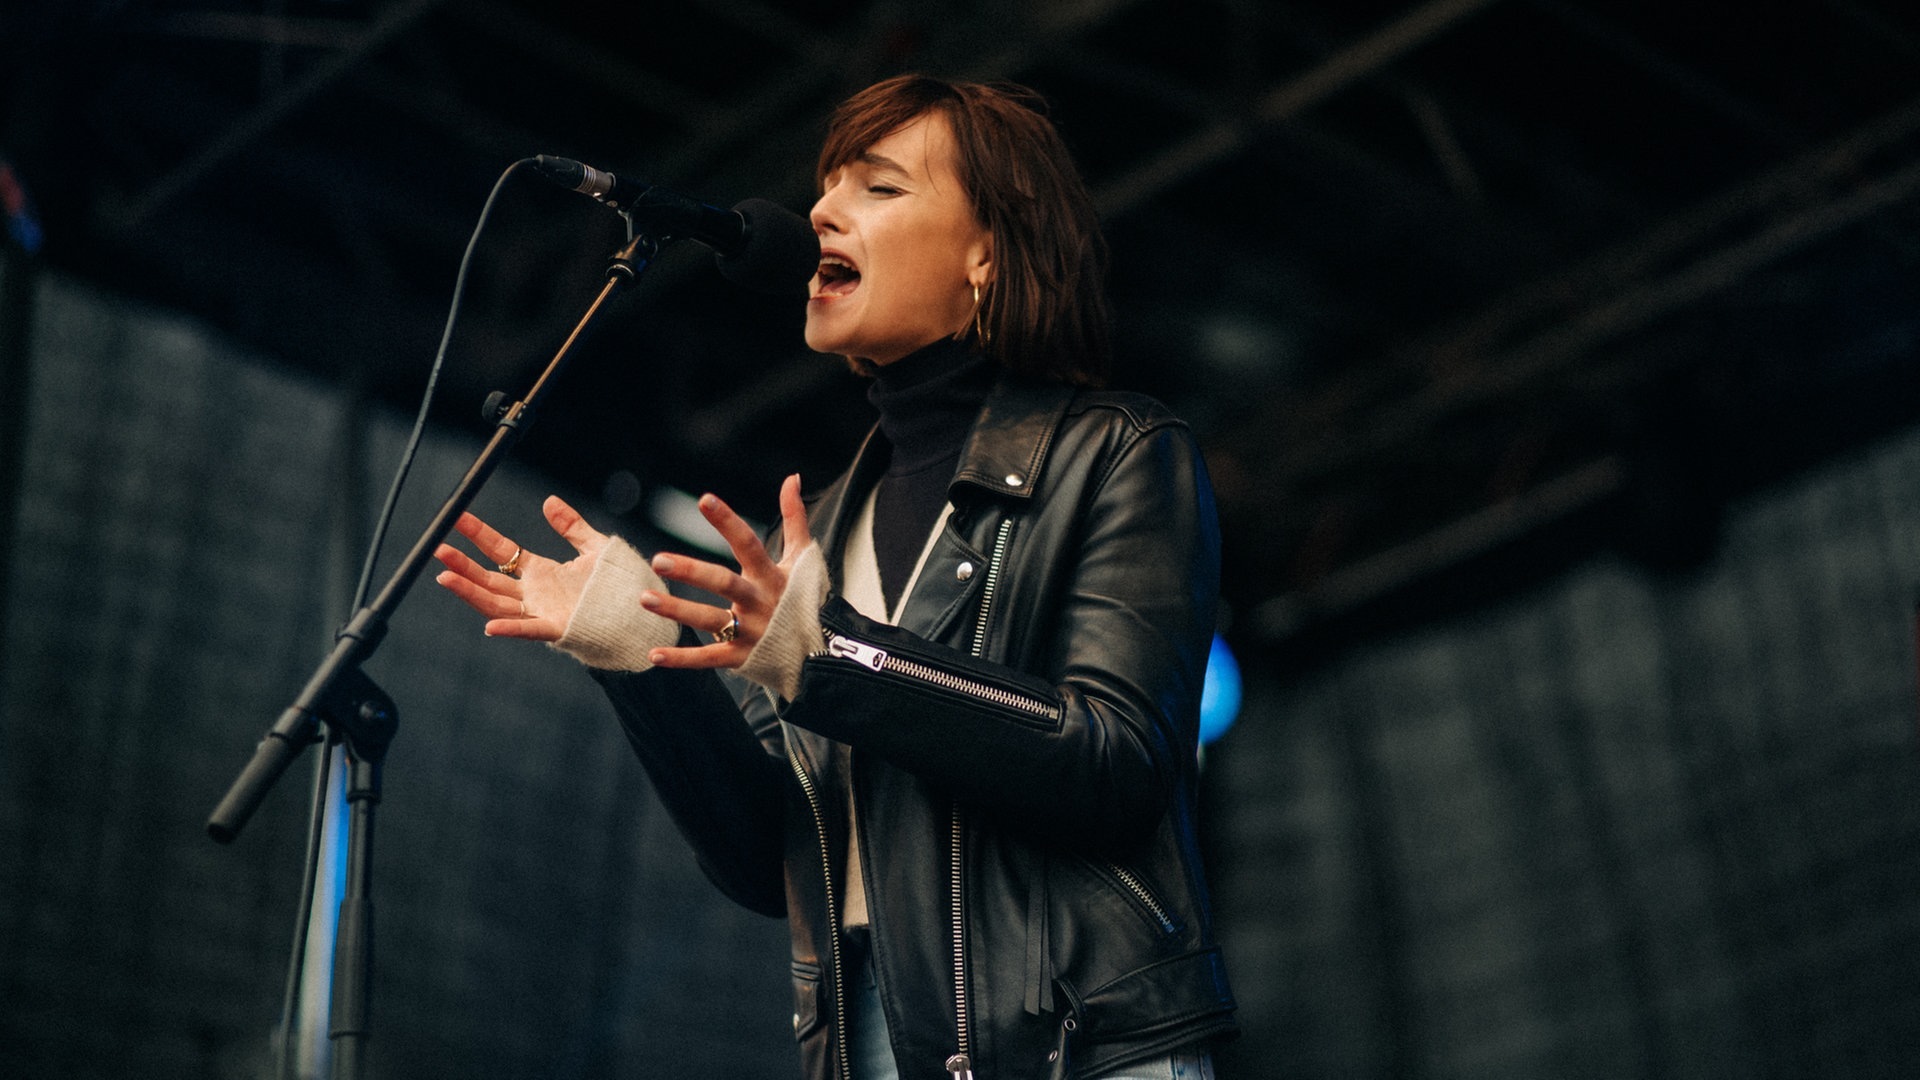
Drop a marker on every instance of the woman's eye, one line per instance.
(882, 189)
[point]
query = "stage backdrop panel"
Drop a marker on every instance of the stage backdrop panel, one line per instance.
(175, 578)
(1630, 825)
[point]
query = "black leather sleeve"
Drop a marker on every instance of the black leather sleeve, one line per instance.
(717, 777)
(1090, 745)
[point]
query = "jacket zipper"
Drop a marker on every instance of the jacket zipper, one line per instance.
(844, 1069)
(990, 586)
(960, 1065)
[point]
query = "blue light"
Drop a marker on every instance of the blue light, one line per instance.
(27, 233)
(1220, 694)
(22, 224)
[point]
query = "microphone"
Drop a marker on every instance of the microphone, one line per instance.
(758, 244)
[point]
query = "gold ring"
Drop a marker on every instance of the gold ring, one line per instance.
(511, 567)
(730, 631)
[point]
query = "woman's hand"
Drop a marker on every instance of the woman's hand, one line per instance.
(536, 602)
(752, 593)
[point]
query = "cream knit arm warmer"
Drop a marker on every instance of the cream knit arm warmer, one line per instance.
(609, 629)
(794, 630)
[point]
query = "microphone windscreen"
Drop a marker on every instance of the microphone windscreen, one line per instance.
(779, 254)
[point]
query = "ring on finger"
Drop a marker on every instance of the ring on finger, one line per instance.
(730, 631)
(511, 567)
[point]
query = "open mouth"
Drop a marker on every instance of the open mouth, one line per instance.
(837, 276)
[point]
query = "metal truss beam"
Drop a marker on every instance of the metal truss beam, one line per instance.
(270, 114)
(1561, 318)
(1225, 139)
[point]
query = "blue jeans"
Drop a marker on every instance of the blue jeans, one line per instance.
(872, 1054)
(1179, 1065)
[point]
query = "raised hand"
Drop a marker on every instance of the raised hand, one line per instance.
(524, 595)
(752, 592)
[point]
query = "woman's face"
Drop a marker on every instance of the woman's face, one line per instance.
(900, 248)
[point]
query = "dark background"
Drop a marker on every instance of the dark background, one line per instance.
(1555, 363)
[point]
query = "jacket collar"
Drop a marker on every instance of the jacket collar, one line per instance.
(1006, 452)
(1004, 455)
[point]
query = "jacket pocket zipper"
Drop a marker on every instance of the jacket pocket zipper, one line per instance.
(1138, 889)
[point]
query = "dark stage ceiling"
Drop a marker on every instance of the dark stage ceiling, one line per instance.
(1454, 292)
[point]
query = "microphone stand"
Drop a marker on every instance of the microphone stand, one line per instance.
(364, 718)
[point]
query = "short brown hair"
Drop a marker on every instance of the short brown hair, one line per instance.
(1045, 311)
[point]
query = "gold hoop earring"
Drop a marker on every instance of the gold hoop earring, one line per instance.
(979, 327)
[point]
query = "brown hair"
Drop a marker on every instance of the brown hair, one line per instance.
(1045, 311)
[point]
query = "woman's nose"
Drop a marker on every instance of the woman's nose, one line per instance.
(825, 215)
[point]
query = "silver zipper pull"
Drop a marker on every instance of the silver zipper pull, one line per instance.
(960, 1067)
(849, 649)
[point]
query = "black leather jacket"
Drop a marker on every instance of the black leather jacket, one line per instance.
(1021, 751)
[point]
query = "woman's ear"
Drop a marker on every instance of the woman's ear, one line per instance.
(980, 262)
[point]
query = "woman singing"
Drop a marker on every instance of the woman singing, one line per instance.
(947, 722)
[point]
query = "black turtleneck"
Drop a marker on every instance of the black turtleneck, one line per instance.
(928, 401)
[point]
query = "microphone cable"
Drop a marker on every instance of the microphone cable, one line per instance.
(426, 399)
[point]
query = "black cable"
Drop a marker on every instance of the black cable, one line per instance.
(426, 400)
